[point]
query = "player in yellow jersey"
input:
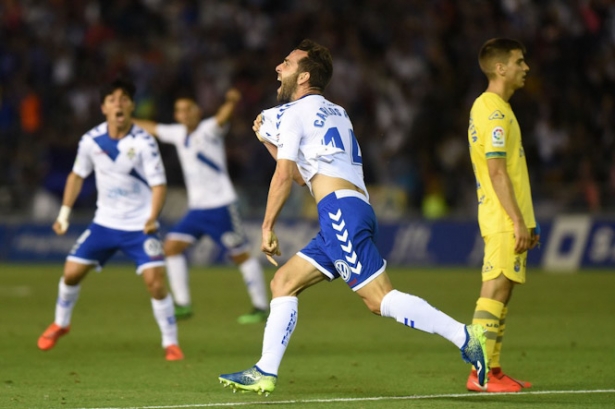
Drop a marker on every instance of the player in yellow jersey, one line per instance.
(505, 211)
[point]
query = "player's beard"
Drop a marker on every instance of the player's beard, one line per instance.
(287, 89)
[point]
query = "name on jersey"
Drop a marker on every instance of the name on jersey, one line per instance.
(324, 112)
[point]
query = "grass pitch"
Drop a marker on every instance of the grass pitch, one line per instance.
(560, 333)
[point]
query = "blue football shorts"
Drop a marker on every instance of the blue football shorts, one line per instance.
(345, 245)
(97, 244)
(222, 224)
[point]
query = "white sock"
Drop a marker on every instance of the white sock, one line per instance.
(177, 270)
(165, 317)
(416, 313)
(67, 297)
(253, 276)
(280, 326)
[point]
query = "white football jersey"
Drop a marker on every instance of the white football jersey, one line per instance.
(125, 169)
(203, 160)
(270, 122)
(318, 135)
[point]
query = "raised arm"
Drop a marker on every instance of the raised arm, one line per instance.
(149, 126)
(73, 186)
(225, 112)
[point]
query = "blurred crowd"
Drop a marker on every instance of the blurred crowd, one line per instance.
(405, 70)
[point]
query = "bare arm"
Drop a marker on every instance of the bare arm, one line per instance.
(225, 112)
(159, 193)
(73, 186)
(149, 126)
(506, 195)
(279, 190)
(273, 151)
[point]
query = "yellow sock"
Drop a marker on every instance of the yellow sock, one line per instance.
(487, 314)
(495, 357)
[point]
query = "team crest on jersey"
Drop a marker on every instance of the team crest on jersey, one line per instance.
(487, 267)
(517, 264)
(342, 267)
(498, 138)
(153, 247)
(131, 153)
(497, 114)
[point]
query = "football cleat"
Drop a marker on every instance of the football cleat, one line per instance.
(173, 353)
(257, 315)
(183, 312)
(474, 351)
(51, 336)
(252, 380)
(495, 385)
(497, 372)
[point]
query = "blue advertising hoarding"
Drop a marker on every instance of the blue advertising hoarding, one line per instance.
(568, 243)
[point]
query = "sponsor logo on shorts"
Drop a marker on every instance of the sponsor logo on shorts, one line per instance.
(342, 267)
(517, 264)
(152, 247)
(231, 239)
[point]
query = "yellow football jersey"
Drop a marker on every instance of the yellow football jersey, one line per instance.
(494, 133)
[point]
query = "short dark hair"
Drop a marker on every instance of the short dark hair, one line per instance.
(127, 86)
(497, 50)
(318, 63)
(185, 93)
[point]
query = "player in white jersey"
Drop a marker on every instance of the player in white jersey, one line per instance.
(315, 138)
(131, 186)
(211, 202)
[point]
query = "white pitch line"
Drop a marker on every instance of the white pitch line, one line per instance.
(376, 398)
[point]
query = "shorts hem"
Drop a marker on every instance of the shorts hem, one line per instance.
(84, 261)
(150, 265)
(371, 278)
(492, 275)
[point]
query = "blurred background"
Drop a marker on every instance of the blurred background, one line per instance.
(405, 70)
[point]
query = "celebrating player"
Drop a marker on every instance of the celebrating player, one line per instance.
(131, 186)
(316, 136)
(505, 211)
(211, 201)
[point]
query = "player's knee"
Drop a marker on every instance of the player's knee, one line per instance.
(155, 284)
(276, 286)
(373, 305)
(73, 275)
(240, 258)
(156, 289)
(71, 278)
(280, 286)
(173, 247)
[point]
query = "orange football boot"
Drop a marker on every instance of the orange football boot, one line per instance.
(51, 336)
(173, 353)
(497, 372)
(493, 385)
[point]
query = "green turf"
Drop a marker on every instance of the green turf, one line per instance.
(561, 332)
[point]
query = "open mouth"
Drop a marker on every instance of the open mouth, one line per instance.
(119, 115)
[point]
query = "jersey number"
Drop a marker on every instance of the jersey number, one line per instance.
(333, 137)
